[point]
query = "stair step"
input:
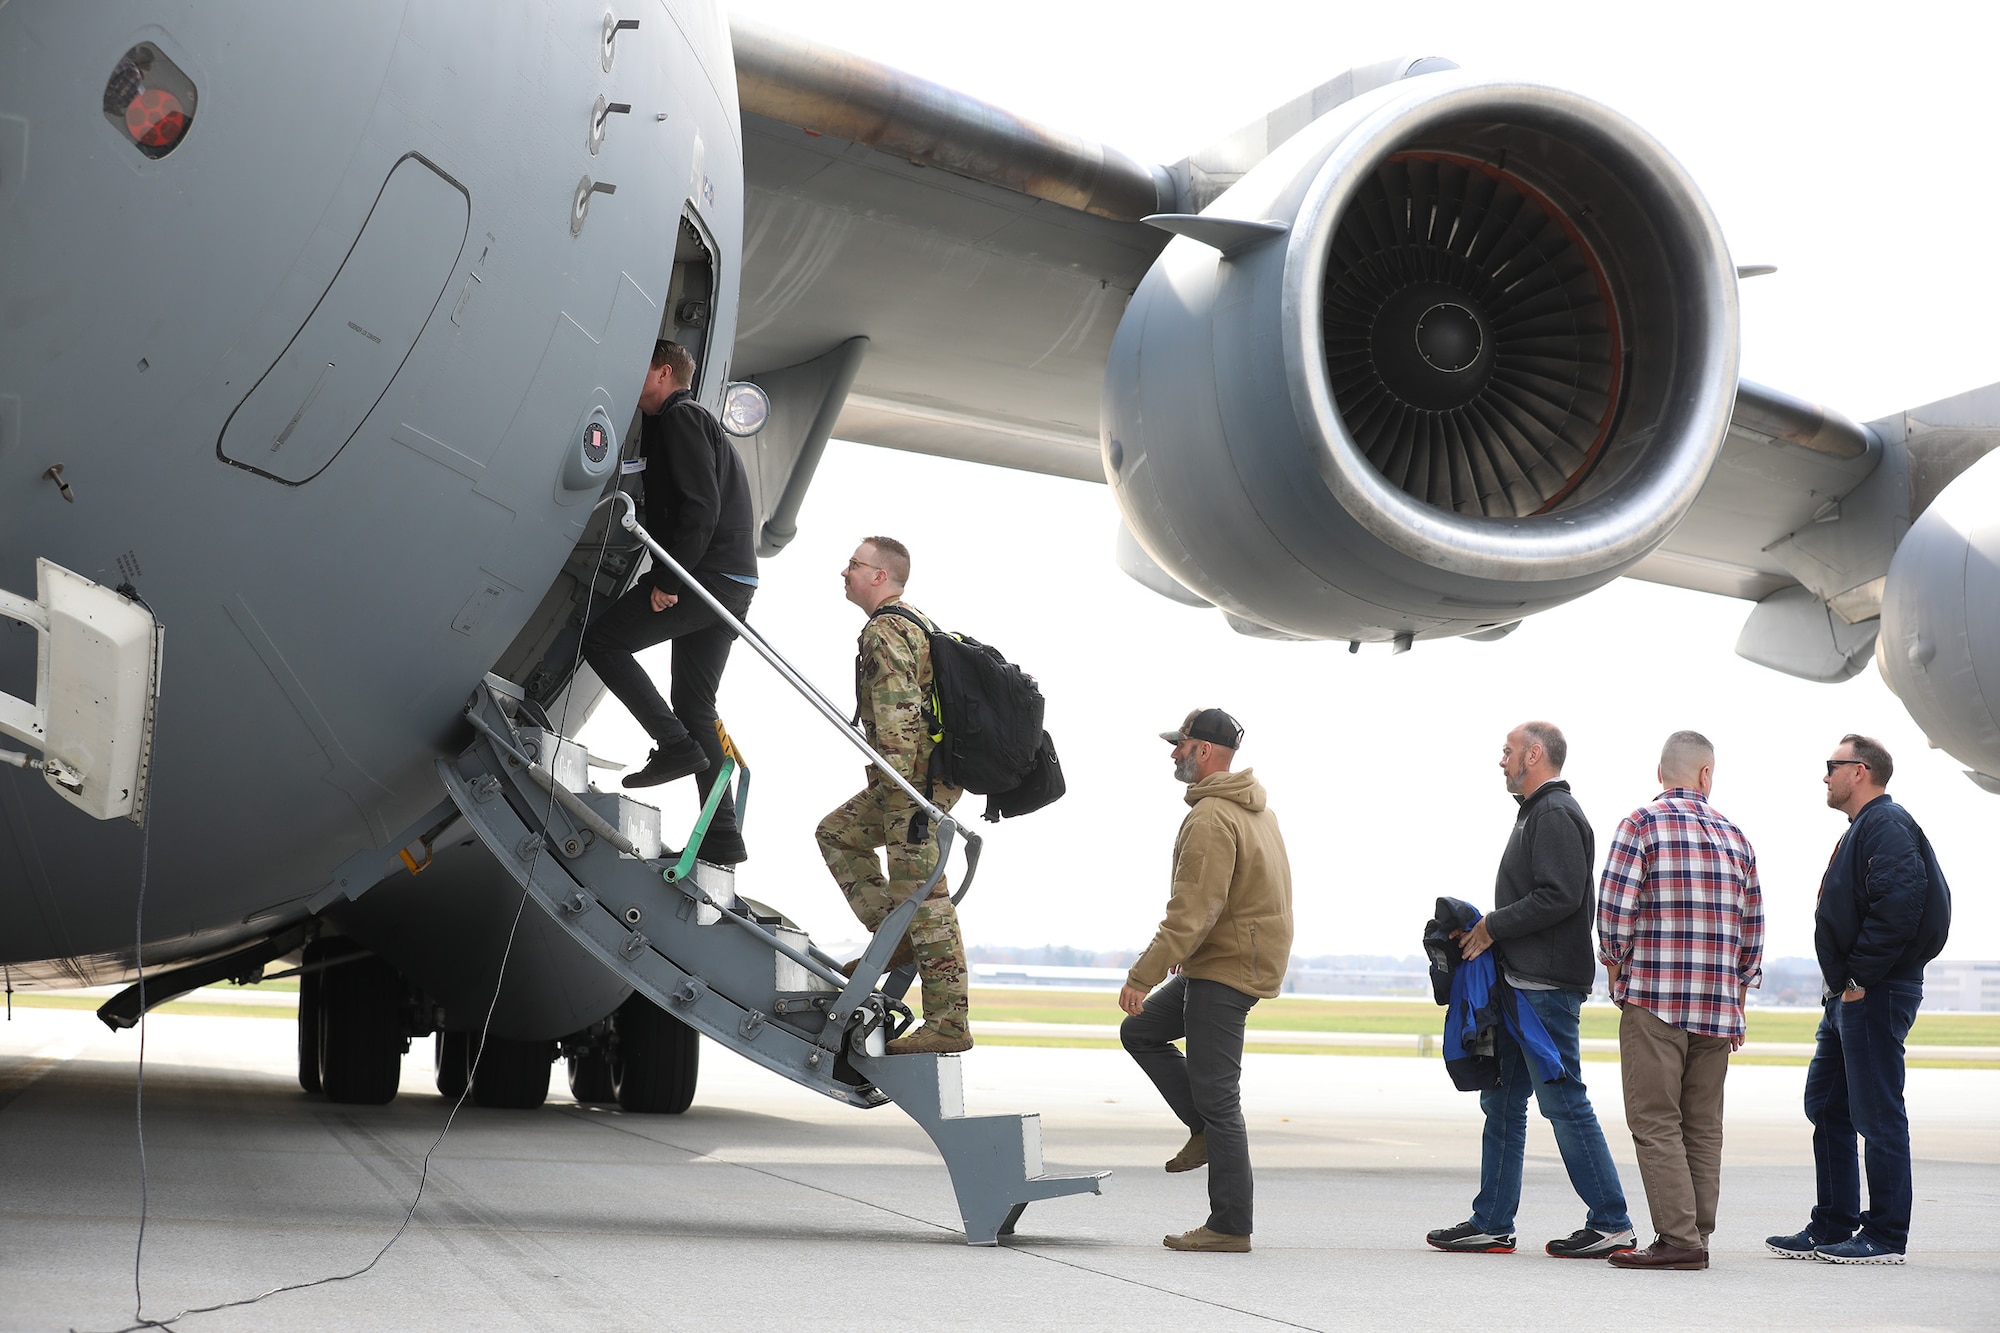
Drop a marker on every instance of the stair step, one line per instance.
(734, 969)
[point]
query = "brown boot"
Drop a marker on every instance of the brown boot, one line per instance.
(901, 958)
(927, 1040)
(1213, 1242)
(1193, 1153)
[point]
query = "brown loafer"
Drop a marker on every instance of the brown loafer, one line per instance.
(1193, 1153)
(1661, 1255)
(1209, 1242)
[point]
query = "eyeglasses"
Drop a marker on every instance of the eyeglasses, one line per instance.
(853, 565)
(1832, 764)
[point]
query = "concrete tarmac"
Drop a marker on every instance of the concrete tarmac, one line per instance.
(767, 1207)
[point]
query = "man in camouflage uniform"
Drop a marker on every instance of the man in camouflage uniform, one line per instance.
(892, 685)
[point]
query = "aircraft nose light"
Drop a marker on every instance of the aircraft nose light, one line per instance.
(149, 100)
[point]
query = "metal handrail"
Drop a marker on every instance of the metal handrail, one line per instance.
(897, 923)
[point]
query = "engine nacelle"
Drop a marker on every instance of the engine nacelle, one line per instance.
(1940, 643)
(1482, 367)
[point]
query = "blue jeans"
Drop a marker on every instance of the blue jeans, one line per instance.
(1855, 1086)
(1565, 1104)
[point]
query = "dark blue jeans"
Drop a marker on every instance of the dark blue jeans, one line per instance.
(1565, 1104)
(1855, 1086)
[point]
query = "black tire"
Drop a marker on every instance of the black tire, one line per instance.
(452, 1053)
(512, 1075)
(361, 1032)
(309, 1021)
(590, 1078)
(655, 1059)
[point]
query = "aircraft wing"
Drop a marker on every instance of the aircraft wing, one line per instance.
(985, 260)
(927, 272)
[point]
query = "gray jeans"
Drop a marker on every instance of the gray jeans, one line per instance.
(1203, 1087)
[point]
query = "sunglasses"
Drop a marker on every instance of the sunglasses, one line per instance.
(1832, 764)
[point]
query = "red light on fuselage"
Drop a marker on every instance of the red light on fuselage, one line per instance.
(155, 118)
(149, 99)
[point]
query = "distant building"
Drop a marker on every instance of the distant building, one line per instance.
(1965, 986)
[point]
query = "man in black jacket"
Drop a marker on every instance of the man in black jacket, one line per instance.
(1884, 911)
(1540, 927)
(698, 508)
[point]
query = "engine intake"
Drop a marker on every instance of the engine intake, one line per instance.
(1485, 369)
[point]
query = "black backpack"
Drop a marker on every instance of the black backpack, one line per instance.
(990, 714)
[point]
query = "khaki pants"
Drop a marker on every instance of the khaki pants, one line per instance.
(1673, 1105)
(879, 816)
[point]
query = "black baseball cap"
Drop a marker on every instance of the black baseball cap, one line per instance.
(1208, 724)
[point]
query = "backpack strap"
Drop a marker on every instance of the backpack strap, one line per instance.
(930, 632)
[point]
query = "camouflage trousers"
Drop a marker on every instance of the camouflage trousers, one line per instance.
(879, 816)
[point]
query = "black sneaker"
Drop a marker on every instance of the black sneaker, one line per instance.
(669, 762)
(723, 847)
(1798, 1245)
(1588, 1244)
(1859, 1250)
(1467, 1238)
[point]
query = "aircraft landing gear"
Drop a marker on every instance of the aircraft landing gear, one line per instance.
(361, 1036)
(655, 1059)
(452, 1053)
(590, 1076)
(513, 1075)
(309, 1020)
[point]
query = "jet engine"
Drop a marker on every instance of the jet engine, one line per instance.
(1457, 352)
(1940, 643)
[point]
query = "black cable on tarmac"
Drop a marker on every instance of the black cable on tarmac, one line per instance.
(140, 1321)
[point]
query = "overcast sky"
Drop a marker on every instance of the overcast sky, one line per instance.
(1855, 154)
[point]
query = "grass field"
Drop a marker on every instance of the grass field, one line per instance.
(1599, 1020)
(997, 1005)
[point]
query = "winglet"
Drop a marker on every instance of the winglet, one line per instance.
(1229, 235)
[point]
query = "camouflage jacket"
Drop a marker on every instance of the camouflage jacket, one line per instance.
(892, 691)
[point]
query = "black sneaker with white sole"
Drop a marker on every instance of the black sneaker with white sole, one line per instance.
(1798, 1245)
(1467, 1238)
(1588, 1244)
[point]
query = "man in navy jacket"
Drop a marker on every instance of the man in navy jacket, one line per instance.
(1884, 911)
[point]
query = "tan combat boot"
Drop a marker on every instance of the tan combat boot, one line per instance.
(927, 1040)
(1193, 1153)
(902, 957)
(1212, 1242)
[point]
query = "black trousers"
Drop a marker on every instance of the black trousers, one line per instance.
(701, 649)
(1203, 1087)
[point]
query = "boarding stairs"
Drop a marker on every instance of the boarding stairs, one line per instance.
(674, 928)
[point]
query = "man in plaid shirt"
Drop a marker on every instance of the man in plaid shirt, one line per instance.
(1680, 928)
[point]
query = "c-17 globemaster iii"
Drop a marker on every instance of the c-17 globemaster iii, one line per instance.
(312, 390)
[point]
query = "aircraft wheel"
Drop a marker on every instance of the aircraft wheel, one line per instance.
(590, 1077)
(361, 1032)
(656, 1059)
(513, 1075)
(309, 1021)
(452, 1053)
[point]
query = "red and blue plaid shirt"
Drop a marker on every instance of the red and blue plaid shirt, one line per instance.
(1680, 913)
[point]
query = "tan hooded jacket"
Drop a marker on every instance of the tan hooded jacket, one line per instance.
(1229, 918)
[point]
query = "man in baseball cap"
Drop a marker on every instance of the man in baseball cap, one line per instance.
(1207, 724)
(1224, 942)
